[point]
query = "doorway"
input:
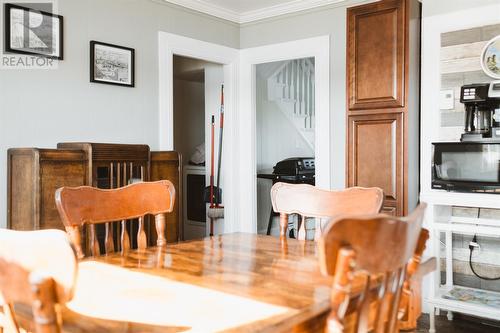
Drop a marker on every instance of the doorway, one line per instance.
(316, 48)
(285, 130)
(222, 62)
(196, 98)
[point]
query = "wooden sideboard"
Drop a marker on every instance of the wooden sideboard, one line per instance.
(35, 174)
(383, 96)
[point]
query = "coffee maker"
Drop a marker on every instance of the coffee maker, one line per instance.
(482, 112)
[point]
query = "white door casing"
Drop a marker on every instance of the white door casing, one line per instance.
(317, 48)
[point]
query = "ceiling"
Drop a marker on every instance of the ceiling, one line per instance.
(245, 11)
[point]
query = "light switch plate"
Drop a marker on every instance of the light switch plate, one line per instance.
(447, 100)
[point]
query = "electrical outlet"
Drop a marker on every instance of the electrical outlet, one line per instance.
(474, 245)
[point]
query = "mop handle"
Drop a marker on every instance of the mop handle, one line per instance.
(212, 164)
(219, 201)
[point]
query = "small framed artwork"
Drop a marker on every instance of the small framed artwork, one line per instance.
(33, 32)
(112, 64)
(490, 58)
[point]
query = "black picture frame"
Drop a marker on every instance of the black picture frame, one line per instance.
(8, 29)
(120, 49)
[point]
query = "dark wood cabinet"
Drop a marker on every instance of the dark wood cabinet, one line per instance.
(375, 155)
(376, 55)
(35, 174)
(383, 99)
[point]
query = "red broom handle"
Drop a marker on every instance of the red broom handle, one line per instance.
(212, 164)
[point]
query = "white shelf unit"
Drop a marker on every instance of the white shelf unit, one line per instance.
(439, 220)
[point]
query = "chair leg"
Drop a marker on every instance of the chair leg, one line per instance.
(432, 321)
(270, 223)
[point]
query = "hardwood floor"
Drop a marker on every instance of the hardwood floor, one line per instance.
(459, 324)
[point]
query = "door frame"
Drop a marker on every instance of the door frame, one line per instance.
(317, 48)
(170, 45)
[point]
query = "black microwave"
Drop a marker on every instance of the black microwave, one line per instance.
(466, 166)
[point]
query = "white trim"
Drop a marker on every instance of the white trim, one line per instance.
(170, 44)
(317, 47)
(258, 14)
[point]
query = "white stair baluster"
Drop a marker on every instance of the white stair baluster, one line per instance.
(313, 87)
(306, 97)
(311, 98)
(303, 90)
(283, 82)
(289, 83)
(295, 85)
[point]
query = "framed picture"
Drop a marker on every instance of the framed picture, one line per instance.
(33, 32)
(490, 58)
(112, 64)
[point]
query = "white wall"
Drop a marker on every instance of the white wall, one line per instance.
(41, 108)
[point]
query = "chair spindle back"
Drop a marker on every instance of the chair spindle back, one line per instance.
(88, 205)
(310, 201)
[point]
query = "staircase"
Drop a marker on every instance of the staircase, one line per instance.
(291, 87)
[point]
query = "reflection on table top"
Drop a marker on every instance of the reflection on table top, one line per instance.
(240, 282)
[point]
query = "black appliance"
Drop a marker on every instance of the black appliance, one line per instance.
(295, 170)
(482, 111)
(466, 166)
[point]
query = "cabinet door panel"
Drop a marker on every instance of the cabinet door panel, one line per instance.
(376, 55)
(375, 154)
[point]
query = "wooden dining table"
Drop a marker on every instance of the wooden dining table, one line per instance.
(235, 282)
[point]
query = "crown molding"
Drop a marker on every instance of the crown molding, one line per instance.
(205, 7)
(253, 15)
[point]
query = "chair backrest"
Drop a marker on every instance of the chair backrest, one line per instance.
(39, 269)
(375, 248)
(310, 201)
(78, 206)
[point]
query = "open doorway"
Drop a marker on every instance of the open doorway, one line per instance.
(317, 48)
(285, 133)
(196, 98)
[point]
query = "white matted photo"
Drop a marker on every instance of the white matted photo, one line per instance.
(490, 59)
(112, 64)
(33, 32)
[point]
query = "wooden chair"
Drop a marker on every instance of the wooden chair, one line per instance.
(87, 205)
(411, 298)
(309, 201)
(37, 269)
(375, 249)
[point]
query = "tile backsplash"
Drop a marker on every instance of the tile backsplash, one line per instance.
(460, 64)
